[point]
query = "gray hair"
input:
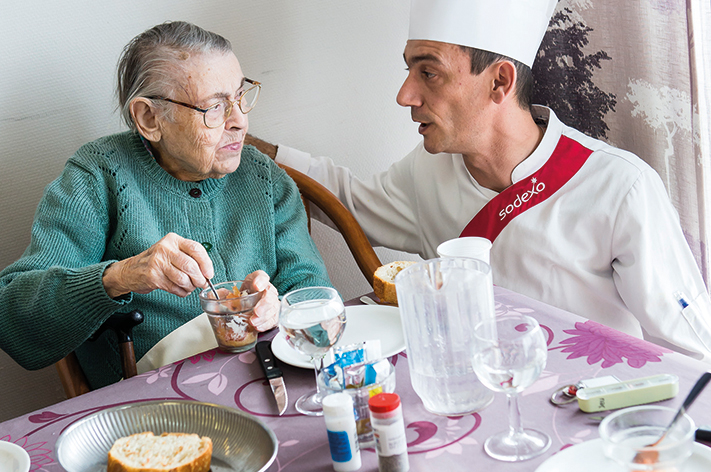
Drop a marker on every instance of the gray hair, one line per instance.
(148, 63)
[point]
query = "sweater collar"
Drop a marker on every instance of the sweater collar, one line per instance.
(144, 153)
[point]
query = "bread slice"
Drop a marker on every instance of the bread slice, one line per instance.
(174, 452)
(384, 281)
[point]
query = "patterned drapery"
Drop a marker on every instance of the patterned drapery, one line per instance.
(637, 75)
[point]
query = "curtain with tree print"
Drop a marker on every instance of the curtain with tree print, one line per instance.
(637, 75)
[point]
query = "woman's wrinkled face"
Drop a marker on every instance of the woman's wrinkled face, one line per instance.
(188, 149)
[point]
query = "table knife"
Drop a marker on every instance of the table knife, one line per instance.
(273, 374)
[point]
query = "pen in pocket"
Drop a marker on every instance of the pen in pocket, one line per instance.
(703, 434)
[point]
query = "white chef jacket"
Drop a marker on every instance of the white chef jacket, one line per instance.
(607, 245)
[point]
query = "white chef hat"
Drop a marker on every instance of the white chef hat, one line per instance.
(512, 28)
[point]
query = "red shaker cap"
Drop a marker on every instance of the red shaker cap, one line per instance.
(384, 402)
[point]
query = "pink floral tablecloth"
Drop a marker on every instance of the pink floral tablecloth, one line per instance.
(578, 349)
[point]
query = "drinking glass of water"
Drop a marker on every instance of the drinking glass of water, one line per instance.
(313, 320)
(509, 355)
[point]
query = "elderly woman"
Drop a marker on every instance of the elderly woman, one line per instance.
(141, 219)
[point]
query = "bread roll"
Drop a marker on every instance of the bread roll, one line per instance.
(174, 452)
(384, 281)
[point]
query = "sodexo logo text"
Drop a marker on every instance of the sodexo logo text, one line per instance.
(536, 188)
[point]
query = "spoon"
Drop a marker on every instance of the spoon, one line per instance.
(367, 300)
(209, 282)
(650, 457)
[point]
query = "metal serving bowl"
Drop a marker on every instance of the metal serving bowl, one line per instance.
(240, 441)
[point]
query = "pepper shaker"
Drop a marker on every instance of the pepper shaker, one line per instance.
(389, 431)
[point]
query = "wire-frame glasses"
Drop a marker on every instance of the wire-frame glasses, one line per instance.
(216, 115)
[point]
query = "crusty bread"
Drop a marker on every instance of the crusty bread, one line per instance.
(174, 452)
(384, 281)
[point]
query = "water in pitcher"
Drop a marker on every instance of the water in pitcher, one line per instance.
(441, 300)
(450, 394)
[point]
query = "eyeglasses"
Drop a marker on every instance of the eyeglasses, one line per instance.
(216, 115)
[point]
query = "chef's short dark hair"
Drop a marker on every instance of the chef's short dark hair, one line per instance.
(481, 59)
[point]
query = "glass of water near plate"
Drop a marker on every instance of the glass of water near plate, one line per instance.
(627, 435)
(312, 320)
(509, 354)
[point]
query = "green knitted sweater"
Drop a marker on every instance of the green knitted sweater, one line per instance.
(113, 201)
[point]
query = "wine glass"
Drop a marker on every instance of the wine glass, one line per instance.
(509, 354)
(312, 320)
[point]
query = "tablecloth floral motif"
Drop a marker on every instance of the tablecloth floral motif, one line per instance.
(578, 348)
(39, 455)
(454, 436)
(601, 343)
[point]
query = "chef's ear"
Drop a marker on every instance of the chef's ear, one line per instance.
(145, 116)
(503, 81)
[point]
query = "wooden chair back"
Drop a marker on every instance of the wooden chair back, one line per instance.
(72, 376)
(314, 193)
(358, 243)
(70, 372)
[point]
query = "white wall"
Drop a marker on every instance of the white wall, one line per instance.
(330, 69)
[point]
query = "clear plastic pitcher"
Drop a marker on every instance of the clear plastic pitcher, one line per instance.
(441, 301)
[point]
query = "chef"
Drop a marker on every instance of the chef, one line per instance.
(574, 222)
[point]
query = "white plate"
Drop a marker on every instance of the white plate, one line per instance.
(588, 456)
(13, 458)
(363, 323)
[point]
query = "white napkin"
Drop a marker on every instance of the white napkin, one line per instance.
(192, 338)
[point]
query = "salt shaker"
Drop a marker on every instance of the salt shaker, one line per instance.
(342, 434)
(389, 431)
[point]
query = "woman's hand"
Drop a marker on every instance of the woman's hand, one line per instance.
(266, 312)
(173, 264)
